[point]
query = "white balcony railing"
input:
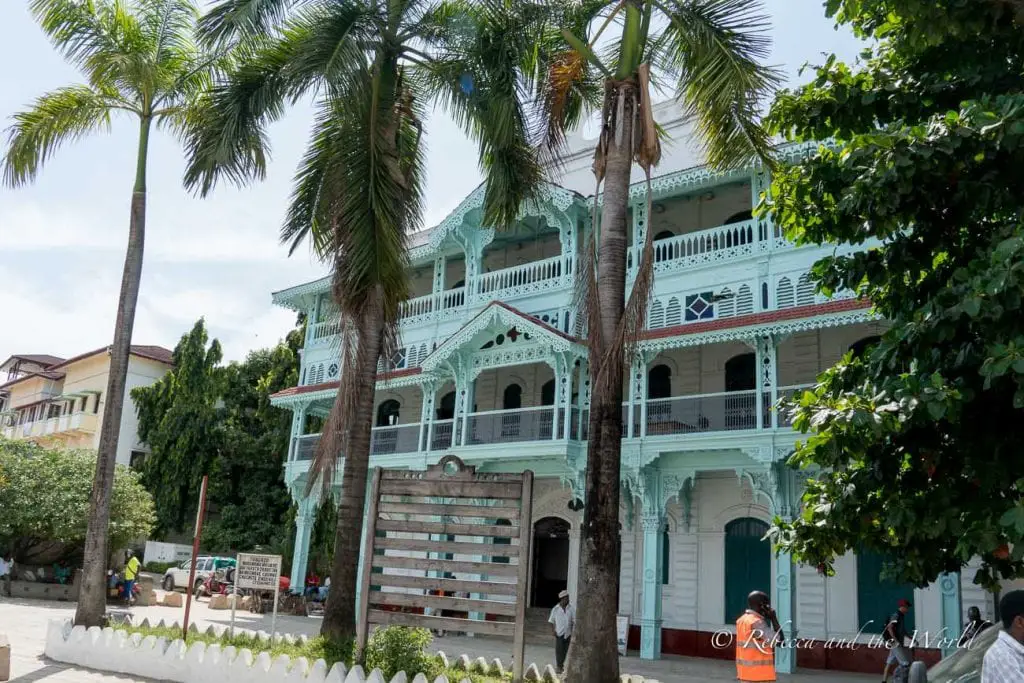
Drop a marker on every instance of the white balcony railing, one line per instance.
(453, 298)
(421, 305)
(441, 435)
(383, 441)
(501, 426)
(713, 245)
(528, 276)
(719, 412)
(324, 332)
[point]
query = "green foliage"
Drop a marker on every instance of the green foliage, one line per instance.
(391, 649)
(917, 443)
(158, 567)
(397, 648)
(206, 418)
(44, 497)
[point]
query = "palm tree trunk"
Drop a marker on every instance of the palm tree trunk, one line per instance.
(593, 657)
(340, 611)
(92, 597)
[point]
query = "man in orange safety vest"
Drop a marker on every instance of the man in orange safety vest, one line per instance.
(757, 631)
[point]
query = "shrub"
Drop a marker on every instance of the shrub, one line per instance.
(398, 648)
(158, 567)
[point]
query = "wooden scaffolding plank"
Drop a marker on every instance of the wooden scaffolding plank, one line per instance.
(512, 490)
(486, 530)
(523, 580)
(362, 625)
(439, 565)
(491, 628)
(429, 583)
(450, 510)
(420, 545)
(441, 602)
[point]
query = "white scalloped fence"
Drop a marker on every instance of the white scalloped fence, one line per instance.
(157, 658)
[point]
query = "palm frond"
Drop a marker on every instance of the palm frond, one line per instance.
(60, 116)
(171, 25)
(480, 75)
(74, 27)
(716, 48)
(566, 85)
(232, 20)
(315, 48)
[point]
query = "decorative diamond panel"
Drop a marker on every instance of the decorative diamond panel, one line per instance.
(699, 307)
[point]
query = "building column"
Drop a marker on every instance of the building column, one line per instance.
(767, 382)
(429, 391)
(304, 520)
(567, 241)
(759, 182)
(563, 368)
(639, 235)
(474, 251)
(465, 385)
(650, 618)
(574, 561)
(952, 611)
(637, 407)
(298, 427)
(785, 609)
(437, 289)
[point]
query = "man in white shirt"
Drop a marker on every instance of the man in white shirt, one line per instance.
(1004, 661)
(6, 569)
(562, 620)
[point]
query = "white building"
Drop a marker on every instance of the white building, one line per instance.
(492, 371)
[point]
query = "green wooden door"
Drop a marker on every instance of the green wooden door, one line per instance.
(748, 564)
(876, 599)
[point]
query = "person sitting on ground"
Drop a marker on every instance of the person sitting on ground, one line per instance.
(312, 584)
(62, 572)
(324, 589)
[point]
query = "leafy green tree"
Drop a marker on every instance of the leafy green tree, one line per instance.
(916, 443)
(44, 499)
(709, 53)
(206, 418)
(182, 422)
(140, 61)
(374, 66)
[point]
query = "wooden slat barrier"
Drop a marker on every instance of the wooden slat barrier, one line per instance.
(419, 514)
(507, 609)
(455, 548)
(450, 510)
(491, 628)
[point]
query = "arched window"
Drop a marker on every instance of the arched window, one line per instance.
(547, 393)
(664, 235)
(877, 598)
(739, 217)
(513, 397)
(748, 564)
(860, 348)
(659, 382)
(739, 373)
(446, 408)
(387, 413)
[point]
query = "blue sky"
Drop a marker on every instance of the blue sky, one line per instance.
(62, 239)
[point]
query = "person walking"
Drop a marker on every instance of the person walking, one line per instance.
(1004, 661)
(895, 633)
(131, 573)
(562, 620)
(757, 631)
(975, 625)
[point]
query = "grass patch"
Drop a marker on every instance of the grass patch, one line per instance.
(392, 649)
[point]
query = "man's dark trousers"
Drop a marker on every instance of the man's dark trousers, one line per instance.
(561, 648)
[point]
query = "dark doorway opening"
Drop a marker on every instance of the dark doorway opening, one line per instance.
(550, 561)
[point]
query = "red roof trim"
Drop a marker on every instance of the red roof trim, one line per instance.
(808, 311)
(531, 319)
(296, 391)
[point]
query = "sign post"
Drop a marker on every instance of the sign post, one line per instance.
(195, 554)
(261, 573)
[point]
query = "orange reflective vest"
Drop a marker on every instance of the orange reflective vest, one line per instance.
(755, 655)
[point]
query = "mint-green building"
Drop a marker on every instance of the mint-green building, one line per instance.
(493, 370)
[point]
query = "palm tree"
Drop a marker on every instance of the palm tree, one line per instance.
(141, 61)
(373, 66)
(709, 53)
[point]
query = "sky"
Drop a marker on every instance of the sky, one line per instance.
(62, 239)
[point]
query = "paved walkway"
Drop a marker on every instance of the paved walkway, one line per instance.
(24, 622)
